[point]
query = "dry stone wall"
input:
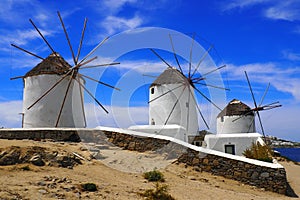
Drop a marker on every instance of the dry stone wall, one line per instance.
(272, 179)
(70, 135)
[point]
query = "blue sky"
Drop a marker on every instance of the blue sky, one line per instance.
(259, 36)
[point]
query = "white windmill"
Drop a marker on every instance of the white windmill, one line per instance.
(173, 107)
(229, 120)
(236, 125)
(53, 90)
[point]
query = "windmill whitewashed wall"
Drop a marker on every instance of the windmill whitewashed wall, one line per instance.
(236, 117)
(185, 111)
(45, 112)
(235, 130)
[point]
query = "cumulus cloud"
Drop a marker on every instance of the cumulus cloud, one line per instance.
(114, 24)
(288, 10)
(287, 54)
(116, 5)
(284, 10)
(9, 114)
(237, 4)
(283, 79)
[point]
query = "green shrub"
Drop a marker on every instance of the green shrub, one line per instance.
(91, 187)
(259, 152)
(154, 176)
(160, 192)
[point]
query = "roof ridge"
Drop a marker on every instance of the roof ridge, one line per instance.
(53, 64)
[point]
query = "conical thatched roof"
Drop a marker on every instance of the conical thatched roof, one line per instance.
(235, 107)
(169, 76)
(53, 64)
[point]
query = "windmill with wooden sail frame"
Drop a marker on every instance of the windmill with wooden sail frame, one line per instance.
(54, 90)
(258, 107)
(172, 96)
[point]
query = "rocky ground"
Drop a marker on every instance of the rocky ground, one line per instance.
(48, 170)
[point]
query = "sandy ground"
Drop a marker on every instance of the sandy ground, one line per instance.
(118, 175)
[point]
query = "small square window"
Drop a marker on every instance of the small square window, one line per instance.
(230, 148)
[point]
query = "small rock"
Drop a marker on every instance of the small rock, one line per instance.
(265, 174)
(78, 195)
(37, 160)
(101, 146)
(83, 148)
(42, 191)
(41, 183)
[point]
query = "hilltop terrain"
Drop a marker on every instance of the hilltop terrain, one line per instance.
(118, 174)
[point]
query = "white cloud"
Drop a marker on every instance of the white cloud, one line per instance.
(291, 55)
(114, 24)
(283, 79)
(9, 114)
(116, 5)
(288, 10)
(234, 4)
(284, 10)
(22, 37)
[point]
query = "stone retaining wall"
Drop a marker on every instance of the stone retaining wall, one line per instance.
(40, 134)
(272, 179)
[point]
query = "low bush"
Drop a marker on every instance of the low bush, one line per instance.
(259, 152)
(154, 176)
(91, 187)
(160, 192)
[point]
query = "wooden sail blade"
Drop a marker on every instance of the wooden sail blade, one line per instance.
(36, 28)
(199, 111)
(79, 65)
(64, 100)
(35, 55)
(245, 114)
(261, 126)
(48, 44)
(161, 58)
(213, 86)
(149, 75)
(166, 93)
(81, 40)
(92, 96)
(271, 106)
(88, 77)
(100, 65)
(52, 87)
(264, 95)
(81, 101)
(252, 94)
(201, 60)
(16, 77)
(175, 55)
(188, 110)
(67, 37)
(214, 70)
(173, 108)
(252, 122)
(26, 51)
(191, 54)
(205, 97)
(100, 44)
